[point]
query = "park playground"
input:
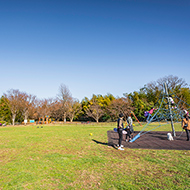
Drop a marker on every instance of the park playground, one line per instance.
(71, 156)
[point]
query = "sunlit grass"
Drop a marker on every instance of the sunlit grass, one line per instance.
(158, 126)
(67, 157)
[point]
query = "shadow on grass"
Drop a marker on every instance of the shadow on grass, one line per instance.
(102, 143)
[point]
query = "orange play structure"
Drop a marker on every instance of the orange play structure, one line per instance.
(44, 120)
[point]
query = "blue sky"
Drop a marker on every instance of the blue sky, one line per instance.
(93, 47)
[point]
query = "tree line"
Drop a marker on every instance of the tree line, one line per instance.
(17, 106)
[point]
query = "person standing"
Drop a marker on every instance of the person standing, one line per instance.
(120, 130)
(129, 127)
(186, 125)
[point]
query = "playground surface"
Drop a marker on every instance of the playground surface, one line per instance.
(152, 140)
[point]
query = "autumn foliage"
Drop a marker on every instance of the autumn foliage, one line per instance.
(17, 106)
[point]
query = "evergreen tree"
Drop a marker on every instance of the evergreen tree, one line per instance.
(5, 112)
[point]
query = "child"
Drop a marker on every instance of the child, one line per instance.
(150, 113)
(129, 128)
(185, 112)
(170, 99)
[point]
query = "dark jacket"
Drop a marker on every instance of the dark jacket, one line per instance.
(120, 123)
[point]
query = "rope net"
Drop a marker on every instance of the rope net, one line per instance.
(165, 111)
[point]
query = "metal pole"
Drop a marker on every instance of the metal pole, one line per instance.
(169, 107)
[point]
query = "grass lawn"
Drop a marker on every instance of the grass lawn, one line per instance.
(67, 157)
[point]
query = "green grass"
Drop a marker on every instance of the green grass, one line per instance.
(162, 126)
(67, 157)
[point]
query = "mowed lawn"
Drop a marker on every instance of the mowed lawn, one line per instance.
(67, 157)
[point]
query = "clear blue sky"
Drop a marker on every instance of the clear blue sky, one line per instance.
(92, 46)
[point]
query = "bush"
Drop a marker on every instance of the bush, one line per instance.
(2, 122)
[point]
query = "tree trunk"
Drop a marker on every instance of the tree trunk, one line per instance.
(25, 118)
(64, 117)
(13, 119)
(97, 119)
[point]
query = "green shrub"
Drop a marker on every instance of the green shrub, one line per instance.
(2, 122)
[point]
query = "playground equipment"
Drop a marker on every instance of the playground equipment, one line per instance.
(166, 112)
(44, 120)
(136, 118)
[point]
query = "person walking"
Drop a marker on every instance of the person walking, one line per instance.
(186, 125)
(120, 130)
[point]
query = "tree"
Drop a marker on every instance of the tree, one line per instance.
(44, 109)
(64, 96)
(102, 103)
(56, 110)
(106, 101)
(95, 110)
(14, 101)
(74, 109)
(27, 105)
(5, 112)
(184, 95)
(173, 83)
(139, 102)
(85, 104)
(120, 105)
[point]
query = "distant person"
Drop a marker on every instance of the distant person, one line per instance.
(185, 112)
(129, 127)
(186, 125)
(119, 130)
(149, 113)
(170, 99)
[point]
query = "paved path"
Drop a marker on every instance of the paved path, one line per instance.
(152, 140)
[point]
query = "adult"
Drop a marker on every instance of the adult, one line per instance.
(120, 130)
(186, 125)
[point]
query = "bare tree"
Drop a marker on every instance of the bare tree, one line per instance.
(44, 109)
(27, 104)
(120, 105)
(15, 99)
(65, 97)
(56, 110)
(74, 109)
(95, 110)
(172, 82)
